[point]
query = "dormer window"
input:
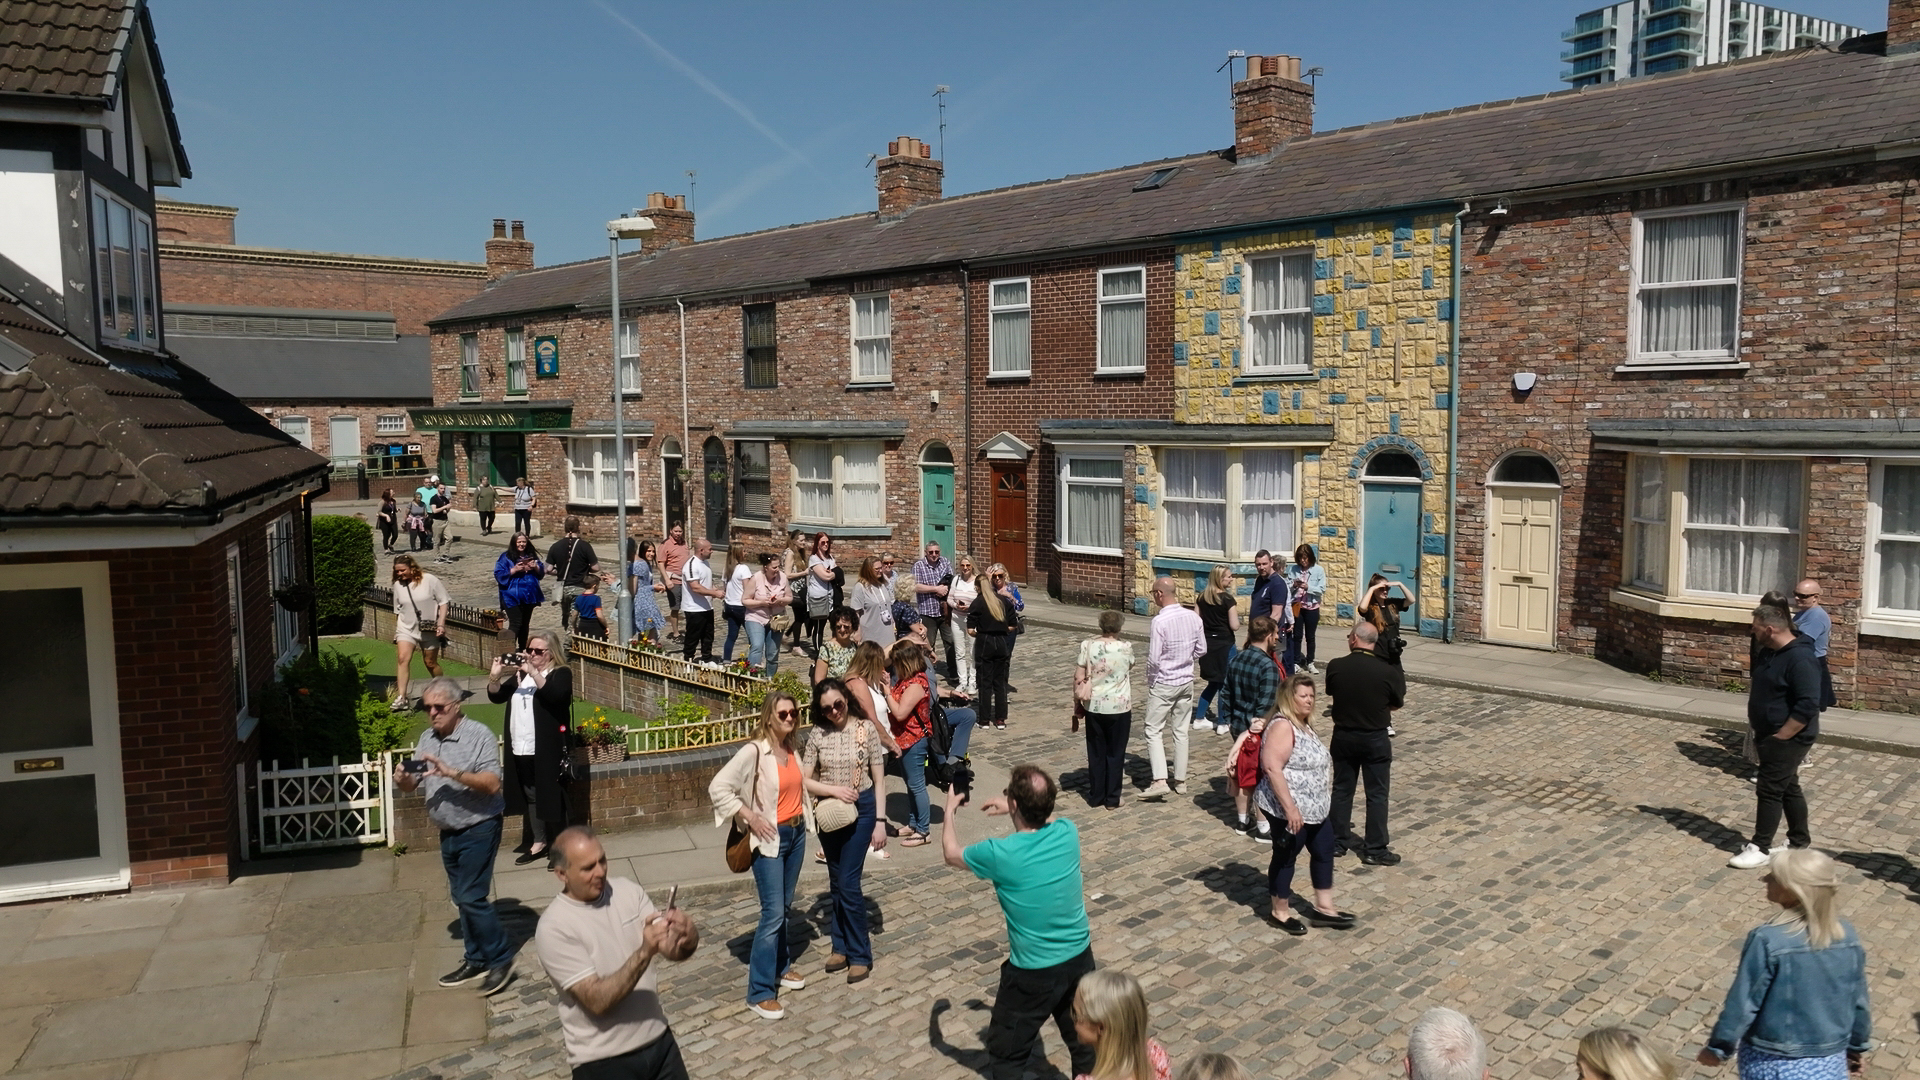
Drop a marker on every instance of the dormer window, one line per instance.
(123, 271)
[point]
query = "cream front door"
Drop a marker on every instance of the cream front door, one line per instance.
(1523, 557)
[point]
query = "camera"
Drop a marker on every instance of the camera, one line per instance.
(416, 765)
(513, 659)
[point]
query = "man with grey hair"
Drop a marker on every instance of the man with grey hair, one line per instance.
(1783, 709)
(457, 764)
(1175, 641)
(1365, 691)
(1443, 1045)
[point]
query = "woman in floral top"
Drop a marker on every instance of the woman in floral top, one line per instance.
(836, 653)
(1103, 682)
(843, 760)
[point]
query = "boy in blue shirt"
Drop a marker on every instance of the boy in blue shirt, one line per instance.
(586, 609)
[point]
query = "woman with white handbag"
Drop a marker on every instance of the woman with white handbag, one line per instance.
(842, 764)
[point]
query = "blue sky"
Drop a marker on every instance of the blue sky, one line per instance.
(403, 127)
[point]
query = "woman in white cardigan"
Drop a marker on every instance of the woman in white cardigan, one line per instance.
(763, 790)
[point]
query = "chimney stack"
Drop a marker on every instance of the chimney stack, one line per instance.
(907, 177)
(507, 256)
(1270, 106)
(1903, 26)
(672, 221)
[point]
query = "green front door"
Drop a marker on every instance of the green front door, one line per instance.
(936, 506)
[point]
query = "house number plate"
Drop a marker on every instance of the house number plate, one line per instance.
(44, 764)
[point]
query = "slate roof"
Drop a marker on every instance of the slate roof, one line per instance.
(76, 50)
(295, 369)
(1817, 101)
(131, 436)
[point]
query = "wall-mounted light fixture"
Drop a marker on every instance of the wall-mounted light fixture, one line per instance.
(1523, 381)
(1499, 209)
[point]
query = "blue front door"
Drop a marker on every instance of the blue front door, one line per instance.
(1390, 538)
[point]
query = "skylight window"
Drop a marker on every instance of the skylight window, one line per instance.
(1157, 178)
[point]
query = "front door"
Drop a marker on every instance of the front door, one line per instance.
(1010, 519)
(1390, 539)
(716, 492)
(343, 443)
(1523, 547)
(676, 493)
(936, 507)
(61, 790)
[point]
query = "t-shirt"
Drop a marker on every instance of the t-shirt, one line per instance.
(572, 559)
(1816, 624)
(470, 748)
(736, 585)
(418, 604)
(1036, 874)
(696, 572)
(587, 605)
(520, 737)
(816, 587)
(523, 498)
(577, 940)
(424, 494)
(440, 501)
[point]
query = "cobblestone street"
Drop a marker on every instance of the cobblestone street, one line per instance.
(1565, 869)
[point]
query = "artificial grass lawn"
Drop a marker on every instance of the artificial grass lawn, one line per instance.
(383, 658)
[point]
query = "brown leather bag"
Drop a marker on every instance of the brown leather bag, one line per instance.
(740, 841)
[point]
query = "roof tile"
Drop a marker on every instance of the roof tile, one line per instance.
(67, 49)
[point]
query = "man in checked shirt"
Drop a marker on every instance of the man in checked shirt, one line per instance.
(1174, 643)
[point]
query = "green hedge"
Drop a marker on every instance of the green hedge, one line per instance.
(342, 571)
(318, 709)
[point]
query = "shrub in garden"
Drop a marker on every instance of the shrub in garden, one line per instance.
(785, 681)
(343, 569)
(312, 708)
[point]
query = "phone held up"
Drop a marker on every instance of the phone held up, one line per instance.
(416, 765)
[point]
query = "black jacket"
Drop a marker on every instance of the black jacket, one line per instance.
(1785, 684)
(552, 730)
(1365, 691)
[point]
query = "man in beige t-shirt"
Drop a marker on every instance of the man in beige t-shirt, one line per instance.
(597, 941)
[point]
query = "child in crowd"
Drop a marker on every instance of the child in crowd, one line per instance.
(1212, 1067)
(586, 609)
(1243, 774)
(1110, 1014)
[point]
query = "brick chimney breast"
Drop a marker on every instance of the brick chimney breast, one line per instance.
(672, 221)
(508, 255)
(1270, 106)
(1903, 26)
(908, 176)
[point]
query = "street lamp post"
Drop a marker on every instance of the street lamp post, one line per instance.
(631, 227)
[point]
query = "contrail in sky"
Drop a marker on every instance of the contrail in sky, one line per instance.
(701, 81)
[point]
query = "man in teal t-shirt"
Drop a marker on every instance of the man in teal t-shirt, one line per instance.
(1036, 874)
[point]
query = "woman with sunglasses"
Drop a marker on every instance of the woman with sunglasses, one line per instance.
(961, 594)
(763, 790)
(910, 719)
(836, 655)
(539, 700)
(420, 605)
(823, 586)
(990, 621)
(842, 763)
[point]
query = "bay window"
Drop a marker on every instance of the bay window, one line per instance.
(1739, 523)
(1228, 504)
(1686, 286)
(593, 471)
(837, 483)
(1090, 500)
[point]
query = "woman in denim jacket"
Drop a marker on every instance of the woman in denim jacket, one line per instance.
(1797, 1009)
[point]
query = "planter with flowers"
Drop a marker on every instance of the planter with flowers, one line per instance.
(606, 744)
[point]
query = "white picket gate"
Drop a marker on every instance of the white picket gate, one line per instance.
(315, 806)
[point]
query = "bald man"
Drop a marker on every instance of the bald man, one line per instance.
(598, 940)
(1811, 619)
(1175, 642)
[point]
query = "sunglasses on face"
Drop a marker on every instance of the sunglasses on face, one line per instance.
(784, 714)
(542, 652)
(834, 706)
(1806, 596)
(431, 707)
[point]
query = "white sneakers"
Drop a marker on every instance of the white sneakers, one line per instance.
(1208, 724)
(1156, 791)
(1751, 857)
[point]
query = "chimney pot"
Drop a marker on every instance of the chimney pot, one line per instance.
(672, 222)
(508, 255)
(500, 228)
(519, 230)
(1293, 68)
(908, 176)
(1272, 105)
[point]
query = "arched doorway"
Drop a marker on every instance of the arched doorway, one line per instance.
(673, 485)
(936, 497)
(714, 453)
(1523, 551)
(1390, 525)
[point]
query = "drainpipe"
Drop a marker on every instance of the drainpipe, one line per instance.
(686, 451)
(1453, 426)
(966, 403)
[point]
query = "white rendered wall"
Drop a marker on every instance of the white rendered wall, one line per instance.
(30, 215)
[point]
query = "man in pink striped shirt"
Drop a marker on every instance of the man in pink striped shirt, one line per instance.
(1175, 642)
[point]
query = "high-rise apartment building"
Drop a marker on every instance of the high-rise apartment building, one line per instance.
(1647, 37)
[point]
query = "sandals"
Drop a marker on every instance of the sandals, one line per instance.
(915, 840)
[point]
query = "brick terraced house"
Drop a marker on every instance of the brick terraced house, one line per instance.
(146, 516)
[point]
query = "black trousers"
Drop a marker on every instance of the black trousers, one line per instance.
(519, 618)
(1027, 997)
(1361, 756)
(658, 1060)
(534, 829)
(992, 660)
(389, 532)
(941, 627)
(523, 521)
(1106, 753)
(1778, 791)
(699, 634)
(486, 522)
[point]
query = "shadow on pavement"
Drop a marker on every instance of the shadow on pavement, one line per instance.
(1885, 866)
(519, 921)
(337, 859)
(1724, 757)
(1037, 1065)
(801, 934)
(822, 909)
(1696, 825)
(1239, 883)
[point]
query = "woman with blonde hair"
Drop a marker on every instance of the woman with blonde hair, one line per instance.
(793, 565)
(1212, 1067)
(960, 597)
(1110, 1014)
(872, 601)
(1295, 794)
(1797, 1009)
(867, 680)
(990, 621)
(1219, 621)
(1619, 1054)
(763, 790)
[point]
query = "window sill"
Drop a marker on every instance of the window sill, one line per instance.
(630, 395)
(1070, 549)
(870, 384)
(1008, 376)
(1682, 365)
(843, 530)
(1276, 377)
(244, 725)
(1706, 610)
(750, 523)
(1120, 373)
(1890, 627)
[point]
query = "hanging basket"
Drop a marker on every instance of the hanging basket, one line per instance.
(298, 596)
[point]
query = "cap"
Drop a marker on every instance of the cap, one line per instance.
(433, 478)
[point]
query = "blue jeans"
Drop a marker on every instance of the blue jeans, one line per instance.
(776, 878)
(763, 646)
(846, 851)
(963, 721)
(468, 858)
(1205, 702)
(913, 767)
(736, 617)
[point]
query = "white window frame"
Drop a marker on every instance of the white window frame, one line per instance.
(742, 475)
(1236, 547)
(142, 327)
(283, 569)
(390, 424)
(516, 344)
(1023, 308)
(630, 356)
(1635, 463)
(1635, 320)
(840, 515)
(469, 365)
(244, 721)
(1876, 618)
(1065, 479)
(305, 424)
(1102, 303)
(1678, 589)
(1250, 362)
(594, 454)
(883, 343)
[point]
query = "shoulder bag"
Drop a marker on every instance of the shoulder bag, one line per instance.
(566, 568)
(739, 840)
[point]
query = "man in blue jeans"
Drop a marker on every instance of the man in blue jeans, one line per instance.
(462, 785)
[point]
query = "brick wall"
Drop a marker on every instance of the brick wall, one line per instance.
(1064, 331)
(1826, 271)
(310, 280)
(815, 368)
(319, 415)
(193, 222)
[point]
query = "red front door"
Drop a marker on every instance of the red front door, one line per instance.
(1010, 519)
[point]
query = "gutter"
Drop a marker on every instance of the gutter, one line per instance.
(966, 407)
(686, 448)
(318, 483)
(1453, 427)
